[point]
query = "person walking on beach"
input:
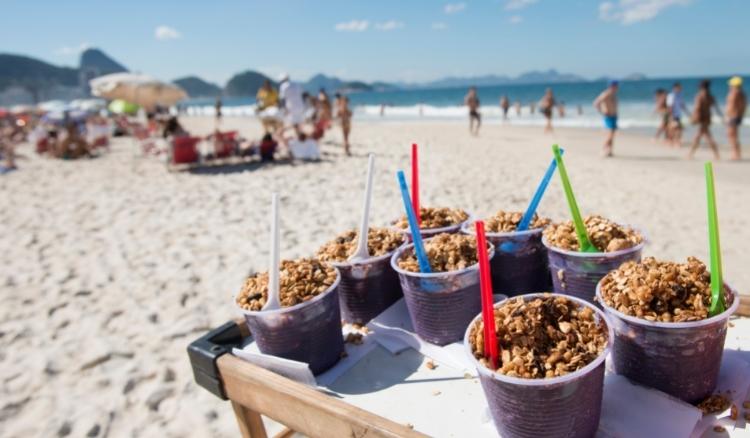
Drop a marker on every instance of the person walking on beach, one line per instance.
(504, 106)
(290, 94)
(702, 106)
(676, 106)
(217, 108)
(546, 105)
(345, 117)
(475, 119)
(606, 104)
(662, 110)
(735, 111)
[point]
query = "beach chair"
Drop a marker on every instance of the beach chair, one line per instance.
(144, 140)
(225, 144)
(184, 150)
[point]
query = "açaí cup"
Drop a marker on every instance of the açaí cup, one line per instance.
(440, 304)
(430, 232)
(577, 273)
(367, 288)
(520, 264)
(564, 406)
(308, 332)
(680, 358)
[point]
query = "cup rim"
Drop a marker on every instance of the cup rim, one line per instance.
(585, 255)
(396, 255)
(281, 310)
(726, 314)
(458, 226)
(367, 261)
(465, 228)
(544, 381)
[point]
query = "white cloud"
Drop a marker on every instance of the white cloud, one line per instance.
(514, 5)
(515, 19)
(72, 51)
(452, 8)
(164, 33)
(352, 26)
(634, 11)
(438, 25)
(389, 25)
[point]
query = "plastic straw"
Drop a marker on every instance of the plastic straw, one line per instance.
(362, 251)
(583, 239)
(424, 263)
(273, 270)
(485, 281)
(415, 182)
(534, 204)
(717, 284)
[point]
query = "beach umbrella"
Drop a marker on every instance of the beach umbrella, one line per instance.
(119, 106)
(138, 89)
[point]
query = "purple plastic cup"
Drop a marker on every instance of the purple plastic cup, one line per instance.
(308, 332)
(367, 288)
(430, 232)
(679, 358)
(577, 273)
(520, 264)
(565, 406)
(440, 304)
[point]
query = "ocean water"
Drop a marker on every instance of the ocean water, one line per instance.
(636, 102)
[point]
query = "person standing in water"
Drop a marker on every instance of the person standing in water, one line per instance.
(606, 104)
(504, 106)
(546, 105)
(676, 106)
(735, 111)
(475, 119)
(702, 106)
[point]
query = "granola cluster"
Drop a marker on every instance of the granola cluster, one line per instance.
(380, 241)
(435, 218)
(660, 291)
(446, 252)
(299, 281)
(506, 221)
(714, 404)
(606, 235)
(542, 338)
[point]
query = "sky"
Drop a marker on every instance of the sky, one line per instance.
(389, 40)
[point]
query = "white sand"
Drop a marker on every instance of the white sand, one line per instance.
(110, 267)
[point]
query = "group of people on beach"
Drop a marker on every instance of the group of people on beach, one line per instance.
(670, 106)
(298, 119)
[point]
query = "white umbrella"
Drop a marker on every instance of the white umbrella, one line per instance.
(138, 89)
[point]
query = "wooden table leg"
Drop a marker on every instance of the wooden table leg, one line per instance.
(250, 422)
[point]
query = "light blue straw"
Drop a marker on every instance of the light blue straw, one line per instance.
(526, 220)
(424, 263)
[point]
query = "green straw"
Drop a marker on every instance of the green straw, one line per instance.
(584, 243)
(717, 284)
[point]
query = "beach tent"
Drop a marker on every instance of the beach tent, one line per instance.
(139, 89)
(119, 106)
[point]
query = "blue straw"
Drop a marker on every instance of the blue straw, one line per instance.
(526, 220)
(424, 263)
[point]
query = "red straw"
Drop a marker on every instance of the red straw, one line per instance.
(485, 281)
(415, 182)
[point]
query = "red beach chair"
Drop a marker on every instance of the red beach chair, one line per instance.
(225, 144)
(184, 150)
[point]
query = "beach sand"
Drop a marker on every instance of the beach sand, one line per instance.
(110, 267)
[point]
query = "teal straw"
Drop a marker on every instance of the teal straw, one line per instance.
(424, 263)
(534, 204)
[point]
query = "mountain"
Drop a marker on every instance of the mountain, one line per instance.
(549, 76)
(635, 77)
(532, 77)
(97, 62)
(197, 87)
(454, 82)
(246, 84)
(34, 80)
(333, 84)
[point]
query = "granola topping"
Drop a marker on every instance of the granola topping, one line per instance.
(446, 252)
(299, 281)
(380, 241)
(435, 218)
(606, 235)
(660, 291)
(506, 221)
(544, 337)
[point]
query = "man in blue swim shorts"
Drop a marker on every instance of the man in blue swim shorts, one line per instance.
(606, 104)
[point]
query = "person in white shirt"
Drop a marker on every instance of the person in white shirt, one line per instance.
(676, 106)
(290, 94)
